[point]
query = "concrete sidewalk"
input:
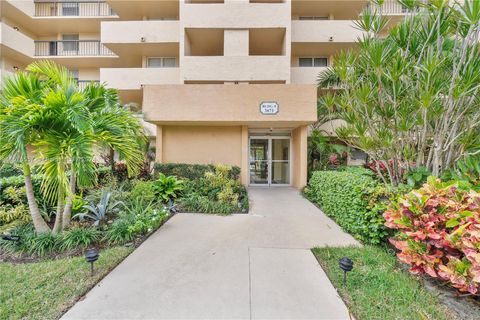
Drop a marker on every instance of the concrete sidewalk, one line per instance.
(255, 266)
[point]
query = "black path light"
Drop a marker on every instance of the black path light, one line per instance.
(9, 237)
(91, 255)
(346, 265)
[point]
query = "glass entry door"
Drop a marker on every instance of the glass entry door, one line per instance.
(269, 161)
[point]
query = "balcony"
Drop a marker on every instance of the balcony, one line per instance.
(72, 48)
(306, 75)
(73, 9)
(83, 83)
(14, 43)
(119, 32)
(135, 78)
(326, 31)
(236, 68)
(235, 14)
(229, 104)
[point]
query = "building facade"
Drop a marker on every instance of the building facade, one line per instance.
(217, 81)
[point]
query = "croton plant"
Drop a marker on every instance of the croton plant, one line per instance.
(439, 232)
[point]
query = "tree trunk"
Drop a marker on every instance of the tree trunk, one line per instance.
(67, 212)
(57, 227)
(37, 219)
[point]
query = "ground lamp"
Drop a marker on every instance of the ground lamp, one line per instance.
(346, 265)
(9, 237)
(91, 255)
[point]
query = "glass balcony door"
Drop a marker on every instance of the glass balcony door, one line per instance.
(270, 161)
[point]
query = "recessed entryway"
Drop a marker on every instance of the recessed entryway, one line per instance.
(269, 163)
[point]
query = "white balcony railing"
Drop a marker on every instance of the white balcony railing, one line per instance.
(73, 9)
(71, 48)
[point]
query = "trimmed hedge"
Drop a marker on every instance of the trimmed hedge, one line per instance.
(354, 199)
(190, 171)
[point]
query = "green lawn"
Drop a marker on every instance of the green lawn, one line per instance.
(377, 288)
(44, 290)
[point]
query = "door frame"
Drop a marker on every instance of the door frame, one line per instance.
(269, 161)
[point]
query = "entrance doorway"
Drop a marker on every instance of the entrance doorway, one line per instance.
(270, 161)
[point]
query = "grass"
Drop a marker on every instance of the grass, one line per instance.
(377, 288)
(46, 289)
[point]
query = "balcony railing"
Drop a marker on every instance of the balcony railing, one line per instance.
(392, 7)
(83, 83)
(73, 9)
(71, 48)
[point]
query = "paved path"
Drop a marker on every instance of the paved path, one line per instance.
(255, 266)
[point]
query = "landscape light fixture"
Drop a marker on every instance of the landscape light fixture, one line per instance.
(91, 255)
(9, 237)
(346, 265)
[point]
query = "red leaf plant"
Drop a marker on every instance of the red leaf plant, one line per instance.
(439, 232)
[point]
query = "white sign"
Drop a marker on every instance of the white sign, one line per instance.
(269, 107)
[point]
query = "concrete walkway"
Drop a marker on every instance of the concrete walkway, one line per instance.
(255, 266)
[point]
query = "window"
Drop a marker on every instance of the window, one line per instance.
(70, 42)
(313, 62)
(163, 62)
(313, 18)
(70, 9)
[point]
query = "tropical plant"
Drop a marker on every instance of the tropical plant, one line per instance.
(409, 95)
(439, 227)
(78, 237)
(143, 190)
(167, 188)
(320, 148)
(98, 212)
(20, 119)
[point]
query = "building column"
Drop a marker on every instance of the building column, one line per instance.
(299, 148)
(244, 160)
(159, 145)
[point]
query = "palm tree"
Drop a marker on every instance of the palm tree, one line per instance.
(20, 107)
(65, 126)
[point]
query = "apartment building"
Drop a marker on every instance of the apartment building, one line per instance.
(217, 81)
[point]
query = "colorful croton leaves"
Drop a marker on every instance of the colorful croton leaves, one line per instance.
(439, 232)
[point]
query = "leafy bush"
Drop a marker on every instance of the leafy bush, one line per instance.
(19, 182)
(215, 192)
(439, 228)
(8, 170)
(143, 190)
(354, 199)
(78, 237)
(191, 171)
(138, 219)
(9, 214)
(167, 187)
(42, 243)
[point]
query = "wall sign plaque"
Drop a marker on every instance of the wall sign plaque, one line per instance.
(269, 107)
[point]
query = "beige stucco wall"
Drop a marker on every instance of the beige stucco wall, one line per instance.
(134, 31)
(299, 151)
(200, 144)
(228, 104)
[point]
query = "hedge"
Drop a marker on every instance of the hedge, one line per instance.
(353, 198)
(190, 171)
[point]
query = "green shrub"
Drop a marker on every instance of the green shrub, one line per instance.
(9, 214)
(191, 171)
(139, 218)
(143, 190)
(19, 182)
(215, 192)
(8, 170)
(167, 188)
(42, 243)
(354, 199)
(78, 237)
